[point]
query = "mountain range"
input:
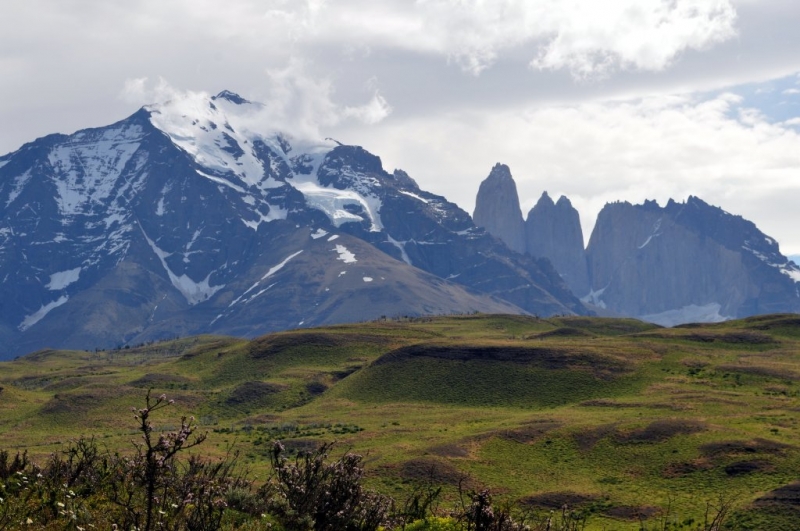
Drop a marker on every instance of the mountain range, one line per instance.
(191, 217)
(680, 263)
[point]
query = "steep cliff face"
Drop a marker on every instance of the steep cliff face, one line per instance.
(553, 231)
(686, 262)
(497, 208)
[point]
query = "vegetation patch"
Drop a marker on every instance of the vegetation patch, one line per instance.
(734, 448)
(275, 344)
(632, 512)
(432, 471)
(158, 380)
(686, 468)
(528, 433)
(661, 430)
(562, 332)
(766, 372)
(558, 500)
(742, 468)
(253, 393)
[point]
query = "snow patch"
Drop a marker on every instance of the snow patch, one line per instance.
(86, 169)
(401, 246)
(220, 180)
(333, 201)
(278, 267)
(344, 255)
(319, 234)
(415, 196)
(367, 279)
(594, 298)
(62, 279)
(19, 184)
(654, 234)
(275, 213)
(193, 292)
(791, 271)
(39, 314)
(160, 207)
(334, 237)
(707, 313)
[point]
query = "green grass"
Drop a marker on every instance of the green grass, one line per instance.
(616, 411)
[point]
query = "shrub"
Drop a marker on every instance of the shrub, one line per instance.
(309, 493)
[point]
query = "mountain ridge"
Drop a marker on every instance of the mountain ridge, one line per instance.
(197, 203)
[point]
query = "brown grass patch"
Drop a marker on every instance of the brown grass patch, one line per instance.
(685, 468)
(786, 496)
(742, 468)
(557, 500)
(545, 357)
(528, 433)
(564, 331)
(449, 450)
(632, 512)
(160, 380)
(271, 345)
(768, 372)
(732, 448)
(253, 392)
(661, 430)
(433, 470)
(587, 439)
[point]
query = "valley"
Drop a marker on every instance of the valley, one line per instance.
(625, 420)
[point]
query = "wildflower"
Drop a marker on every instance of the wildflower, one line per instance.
(29, 521)
(60, 504)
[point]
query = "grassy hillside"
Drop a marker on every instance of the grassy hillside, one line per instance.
(619, 417)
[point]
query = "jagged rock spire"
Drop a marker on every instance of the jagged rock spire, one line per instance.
(497, 208)
(553, 231)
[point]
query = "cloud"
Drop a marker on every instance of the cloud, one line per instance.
(592, 38)
(295, 102)
(585, 37)
(658, 147)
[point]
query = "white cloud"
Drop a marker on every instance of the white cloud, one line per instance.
(296, 103)
(653, 148)
(791, 91)
(591, 38)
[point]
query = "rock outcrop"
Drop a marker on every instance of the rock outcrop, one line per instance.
(553, 231)
(686, 262)
(497, 208)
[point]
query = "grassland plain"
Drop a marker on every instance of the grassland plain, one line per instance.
(624, 419)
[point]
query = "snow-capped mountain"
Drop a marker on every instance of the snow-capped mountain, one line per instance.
(191, 217)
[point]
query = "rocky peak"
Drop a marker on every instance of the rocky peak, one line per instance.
(687, 262)
(231, 97)
(497, 208)
(553, 231)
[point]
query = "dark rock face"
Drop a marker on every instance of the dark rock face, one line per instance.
(686, 262)
(553, 231)
(170, 223)
(497, 208)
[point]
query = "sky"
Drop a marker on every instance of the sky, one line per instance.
(600, 101)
